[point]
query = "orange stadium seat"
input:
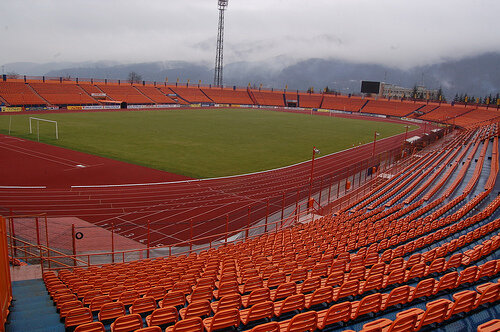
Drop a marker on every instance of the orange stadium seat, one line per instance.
(127, 323)
(162, 316)
(267, 327)
(199, 308)
(90, 327)
(187, 325)
(222, 319)
(257, 312)
(77, 317)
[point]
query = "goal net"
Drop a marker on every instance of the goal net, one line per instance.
(37, 120)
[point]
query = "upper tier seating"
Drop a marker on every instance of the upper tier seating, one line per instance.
(38, 93)
(125, 92)
(19, 94)
(478, 116)
(310, 100)
(388, 107)
(269, 98)
(342, 103)
(228, 96)
(63, 93)
(155, 94)
(171, 94)
(91, 89)
(191, 94)
(445, 112)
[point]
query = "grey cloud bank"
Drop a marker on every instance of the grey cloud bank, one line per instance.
(396, 33)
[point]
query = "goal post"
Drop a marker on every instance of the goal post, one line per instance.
(38, 126)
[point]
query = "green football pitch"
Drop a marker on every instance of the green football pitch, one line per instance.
(201, 143)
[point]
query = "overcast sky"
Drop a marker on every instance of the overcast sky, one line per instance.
(403, 33)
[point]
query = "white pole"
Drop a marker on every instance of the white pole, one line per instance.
(10, 123)
(57, 134)
(38, 130)
(30, 127)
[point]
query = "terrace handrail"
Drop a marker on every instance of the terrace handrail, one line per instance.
(213, 241)
(24, 248)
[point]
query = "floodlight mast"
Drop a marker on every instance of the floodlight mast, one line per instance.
(219, 58)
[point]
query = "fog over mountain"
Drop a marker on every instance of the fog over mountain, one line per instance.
(478, 75)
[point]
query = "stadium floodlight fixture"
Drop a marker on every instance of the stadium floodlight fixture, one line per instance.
(223, 4)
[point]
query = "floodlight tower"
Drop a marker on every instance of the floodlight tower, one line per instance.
(219, 58)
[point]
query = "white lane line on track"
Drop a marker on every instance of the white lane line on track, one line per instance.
(39, 155)
(23, 187)
(14, 138)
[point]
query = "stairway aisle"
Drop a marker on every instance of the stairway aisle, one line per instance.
(32, 309)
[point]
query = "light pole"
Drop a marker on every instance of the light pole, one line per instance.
(406, 137)
(219, 58)
(312, 171)
(375, 141)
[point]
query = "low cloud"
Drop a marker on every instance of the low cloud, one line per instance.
(389, 32)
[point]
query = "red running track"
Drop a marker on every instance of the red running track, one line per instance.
(29, 163)
(167, 201)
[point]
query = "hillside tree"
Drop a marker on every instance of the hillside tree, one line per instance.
(133, 77)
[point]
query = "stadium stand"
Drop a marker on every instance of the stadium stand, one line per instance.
(269, 98)
(171, 94)
(91, 89)
(51, 92)
(445, 113)
(191, 94)
(20, 94)
(477, 116)
(63, 93)
(342, 103)
(426, 109)
(291, 99)
(418, 252)
(125, 93)
(155, 94)
(228, 96)
(393, 108)
(307, 100)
